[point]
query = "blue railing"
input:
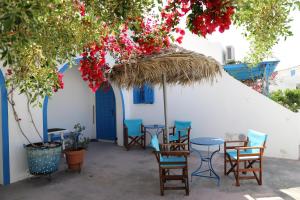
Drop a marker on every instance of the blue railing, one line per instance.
(244, 72)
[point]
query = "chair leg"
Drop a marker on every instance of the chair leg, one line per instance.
(187, 188)
(164, 172)
(232, 166)
(225, 163)
(144, 141)
(237, 177)
(161, 182)
(260, 172)
(245, 167)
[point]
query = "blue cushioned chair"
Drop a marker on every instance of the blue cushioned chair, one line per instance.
(181, 133)
(134, 133)
(250, 153)
(171, 160)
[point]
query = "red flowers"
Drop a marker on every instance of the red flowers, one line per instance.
(206, 16)
(213, 15)
(93, 66)
(147, 39)
(80, 6)
(9, 72)
(147, 36)
(60, 82)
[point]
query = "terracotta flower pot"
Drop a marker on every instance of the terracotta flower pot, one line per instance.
(75, 159)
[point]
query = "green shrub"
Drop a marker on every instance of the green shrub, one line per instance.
(289, 98)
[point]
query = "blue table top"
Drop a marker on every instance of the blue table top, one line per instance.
(208, 141)
(154, 126)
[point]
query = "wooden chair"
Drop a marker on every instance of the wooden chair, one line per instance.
(168, 162)
(181, 134)
(250, 153)
(134, 134)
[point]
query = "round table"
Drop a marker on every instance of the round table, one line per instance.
(208, 142)
(154, 129)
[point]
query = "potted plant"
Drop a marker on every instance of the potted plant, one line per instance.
(43, 158)
(76, 146)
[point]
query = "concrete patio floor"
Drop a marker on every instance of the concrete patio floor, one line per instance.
(110, 172)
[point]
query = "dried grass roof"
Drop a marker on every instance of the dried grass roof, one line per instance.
(179, 65)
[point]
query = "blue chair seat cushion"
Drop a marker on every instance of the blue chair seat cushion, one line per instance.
(233, 154)
(172, 159)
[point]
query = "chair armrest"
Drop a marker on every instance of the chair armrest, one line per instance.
(235, 141)
(175, 153)
(245, 148)
(259, 154)
(234, 146)
(173, 144)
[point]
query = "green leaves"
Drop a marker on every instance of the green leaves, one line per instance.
(288, 98)
(37, 36)
(264, 24)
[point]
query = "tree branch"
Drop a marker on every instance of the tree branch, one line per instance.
(31, 118)
(11, 101)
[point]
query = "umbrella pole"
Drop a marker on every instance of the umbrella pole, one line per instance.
(166, 136)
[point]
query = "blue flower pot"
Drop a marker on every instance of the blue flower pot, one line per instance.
(42, 158)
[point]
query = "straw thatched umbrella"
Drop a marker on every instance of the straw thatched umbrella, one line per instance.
(173, 65)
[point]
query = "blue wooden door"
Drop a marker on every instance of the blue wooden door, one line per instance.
(105, 114)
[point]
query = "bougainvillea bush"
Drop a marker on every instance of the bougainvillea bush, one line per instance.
(149, 34)
(37, 36)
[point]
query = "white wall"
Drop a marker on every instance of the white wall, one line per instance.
(17, 153)
(75, 93)
(74, 104)
(1, 144)
(119, 114)
(225, 110)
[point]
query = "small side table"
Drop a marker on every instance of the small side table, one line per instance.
(206, 141)
(58, 131)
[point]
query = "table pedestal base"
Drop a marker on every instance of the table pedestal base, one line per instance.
(207, 173)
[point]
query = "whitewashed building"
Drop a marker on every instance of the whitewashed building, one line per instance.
(225, 109)
(286, 79)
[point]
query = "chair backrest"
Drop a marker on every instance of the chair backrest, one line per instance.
(134, 126)
(154, 143)
(183, 127)
(255, 139)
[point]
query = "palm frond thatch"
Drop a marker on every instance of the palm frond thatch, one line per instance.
(179, 65)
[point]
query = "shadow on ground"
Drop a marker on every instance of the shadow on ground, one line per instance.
(110, 172)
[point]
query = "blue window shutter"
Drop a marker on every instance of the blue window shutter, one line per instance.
(149, 94)
(136, 95)
(145, 94)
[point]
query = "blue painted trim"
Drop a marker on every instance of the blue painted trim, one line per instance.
(45, 119)
(5, 131)
(123, 105)
(243, 72)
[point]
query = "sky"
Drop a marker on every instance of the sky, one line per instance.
(288, 51)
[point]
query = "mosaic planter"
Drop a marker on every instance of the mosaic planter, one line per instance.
(43, 159)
